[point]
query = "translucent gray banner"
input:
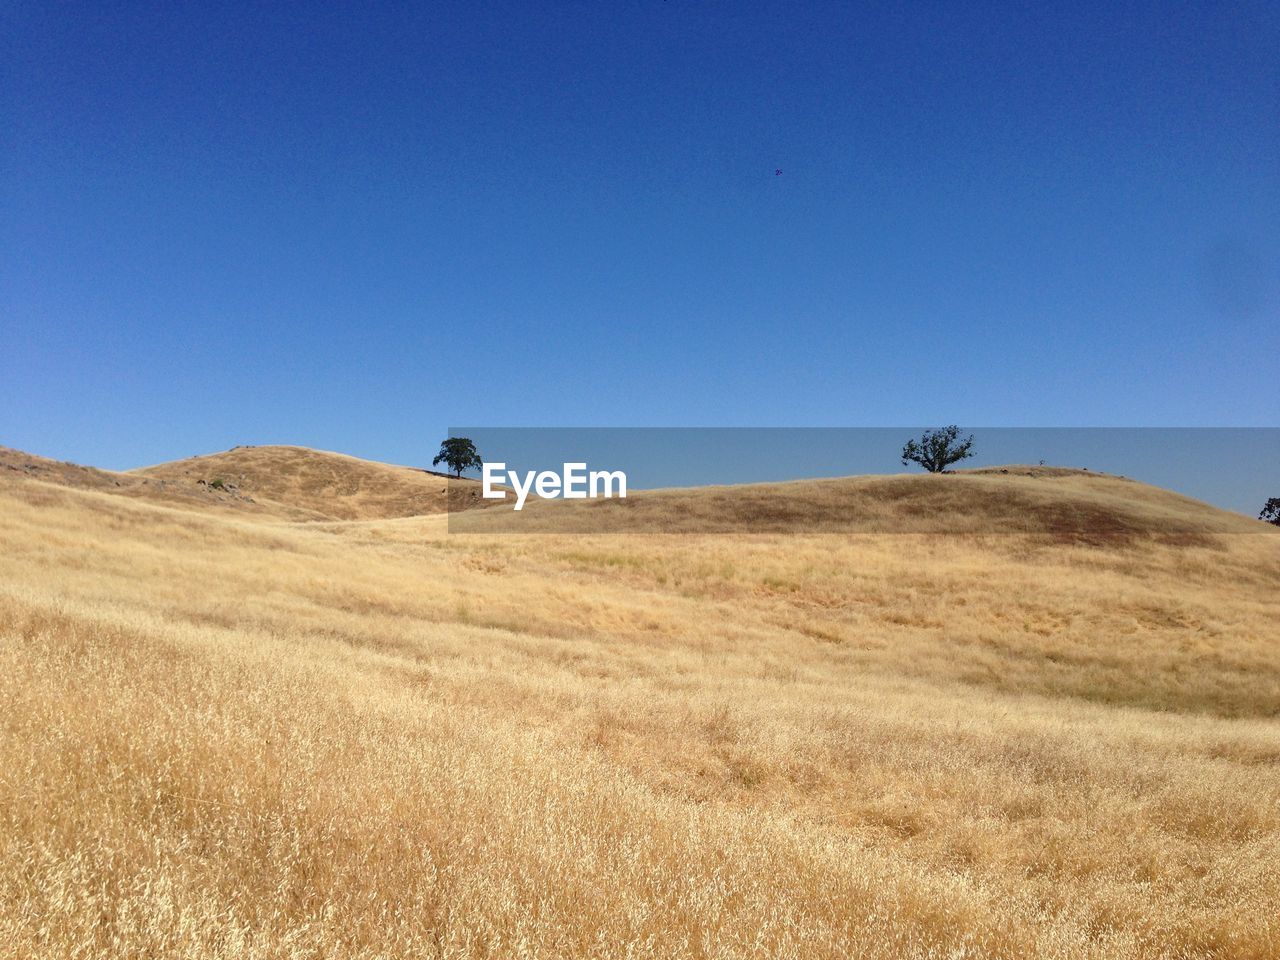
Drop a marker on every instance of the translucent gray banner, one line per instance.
(1072, 483)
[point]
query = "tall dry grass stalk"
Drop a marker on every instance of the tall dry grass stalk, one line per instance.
(238, 737)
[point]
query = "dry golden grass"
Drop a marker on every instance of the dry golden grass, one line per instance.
(300, 483)
(228, 735)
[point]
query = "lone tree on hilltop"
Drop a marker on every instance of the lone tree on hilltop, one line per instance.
(1271, 512)
(459, 454)
(938, 449)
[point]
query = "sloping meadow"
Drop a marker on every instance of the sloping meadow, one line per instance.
(230, 736)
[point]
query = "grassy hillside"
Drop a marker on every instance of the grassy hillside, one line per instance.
(180, 491)
(232, 735)
(324, 485)
(1067, 505)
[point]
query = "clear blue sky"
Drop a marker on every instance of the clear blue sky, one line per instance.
(352, 226)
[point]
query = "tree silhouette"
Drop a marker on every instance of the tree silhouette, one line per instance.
(1271, 512)
(938, 449)
(459, 454)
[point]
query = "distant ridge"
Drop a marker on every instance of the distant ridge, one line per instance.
(301, 484)
(1061, 503)
(328, 485)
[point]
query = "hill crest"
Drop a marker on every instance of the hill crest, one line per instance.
(325, 484)
(296, 483)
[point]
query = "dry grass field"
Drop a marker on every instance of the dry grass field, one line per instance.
(289, 724)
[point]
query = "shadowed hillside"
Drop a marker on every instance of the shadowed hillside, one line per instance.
(1070, 505)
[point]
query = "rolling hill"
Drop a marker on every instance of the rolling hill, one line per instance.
(1056, 502)
(286, 482)
(1010, 715)
(324, 485)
